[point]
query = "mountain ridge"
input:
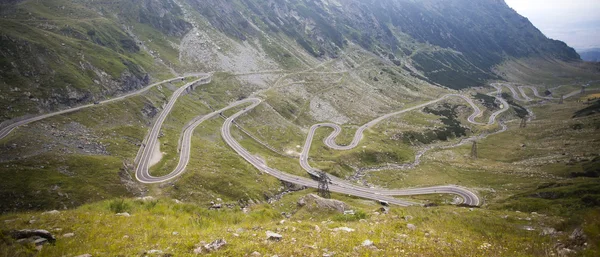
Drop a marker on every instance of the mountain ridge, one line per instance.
(96, 49)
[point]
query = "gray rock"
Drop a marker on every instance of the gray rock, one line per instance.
(301, 202)
(53, 212)
(578, 238)
(154, 252)
(256, 254)
(548, 231)
(124, 214)
(27, 233)
(411, 226)
(40, 241)
(317, 202)
(215, 245)
(274, 236)
(198, 250)
(367, 243)
(84, 255)
(528, 228)
(146, 198)
(67, 235)
(317, 228)
(384, 209)
(345, 229)
(408, 217)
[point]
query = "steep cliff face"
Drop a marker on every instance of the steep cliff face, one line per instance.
(455, 43)
(60, 53)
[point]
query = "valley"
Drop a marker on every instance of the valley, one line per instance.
(293, 128)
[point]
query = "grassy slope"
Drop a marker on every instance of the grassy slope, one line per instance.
(28, 179)
(54, 47)
(217, 172)
(451, 231)
(448, 231)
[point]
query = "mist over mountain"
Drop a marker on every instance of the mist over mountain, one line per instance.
(590, 55)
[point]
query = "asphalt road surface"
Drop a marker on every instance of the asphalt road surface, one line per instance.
(337, 185)
(10, 127)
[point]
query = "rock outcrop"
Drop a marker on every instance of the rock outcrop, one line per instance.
(313, 201)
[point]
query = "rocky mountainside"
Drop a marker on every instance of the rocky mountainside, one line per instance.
(454, 43)
(60, 53)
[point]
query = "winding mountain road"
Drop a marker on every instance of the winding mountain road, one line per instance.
(468, 197)
(147, 149)
(337, 185)
(5, 131)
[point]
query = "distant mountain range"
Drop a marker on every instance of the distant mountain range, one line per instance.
(590, 55)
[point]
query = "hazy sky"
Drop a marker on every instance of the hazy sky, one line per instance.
(576, 22)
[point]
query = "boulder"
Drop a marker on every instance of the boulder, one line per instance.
(411, 226)
(154, 252)
(40, 241)
(313, 201)
(578, 238)
(274, 236)
(53, 212)
(317, 228)
(384, 209)
(215, 245)
(345, 229)
(146, 198)
(30, 233)
(367, 243)
(547, 231)
(67, 235)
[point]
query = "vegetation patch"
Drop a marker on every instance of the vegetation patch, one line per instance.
(487, 101)
(452, 128)
(520, 110)
(558, 198)
(594, 108)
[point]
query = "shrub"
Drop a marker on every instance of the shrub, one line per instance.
(119, 206)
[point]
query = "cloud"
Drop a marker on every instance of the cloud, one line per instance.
(577, 22)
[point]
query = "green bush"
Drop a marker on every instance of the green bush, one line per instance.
(119, 206)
